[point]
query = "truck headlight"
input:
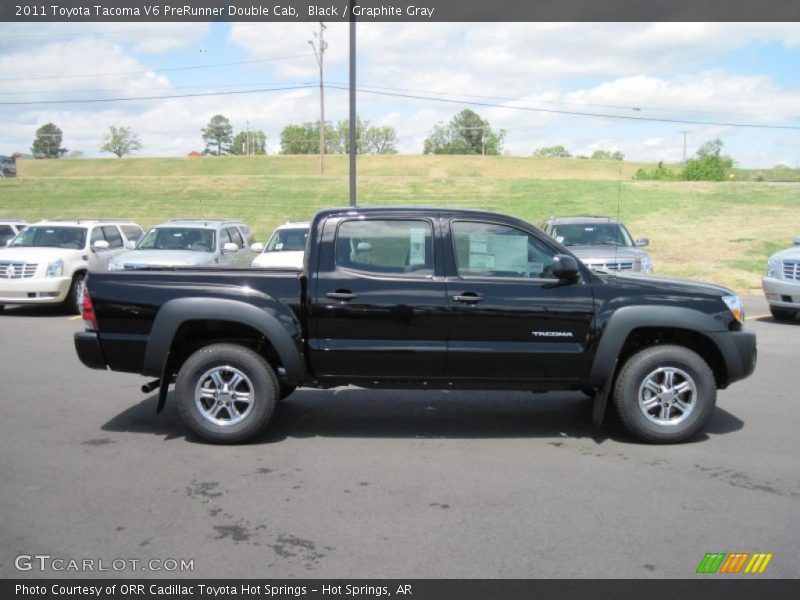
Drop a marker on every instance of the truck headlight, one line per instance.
(773, 267)
(734, 304)
(55, 269)
(114, 266)
(647, 265)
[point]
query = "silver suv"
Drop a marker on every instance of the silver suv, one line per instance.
(601, 243)
(190, 243)
(782, 282)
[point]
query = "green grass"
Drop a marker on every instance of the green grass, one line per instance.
(720, 232)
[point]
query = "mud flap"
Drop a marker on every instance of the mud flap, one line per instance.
(601, 400)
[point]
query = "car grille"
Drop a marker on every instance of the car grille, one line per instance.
(620, 265)
(791, 269)
(17, 270)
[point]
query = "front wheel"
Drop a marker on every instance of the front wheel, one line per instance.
(73, 303)
(226, 393)
(665, 394)
(782, 314)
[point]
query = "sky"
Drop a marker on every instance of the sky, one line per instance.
(717, 74)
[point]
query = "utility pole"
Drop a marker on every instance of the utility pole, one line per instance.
(684, 146)
(319, 53)
(247, 139)
(353, 118)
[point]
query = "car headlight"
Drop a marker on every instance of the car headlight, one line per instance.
(773, 267)
(734, 304)
(114, 266)
(55, 269)
(647, 265)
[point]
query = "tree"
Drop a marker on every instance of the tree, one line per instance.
(121, 141)
(557, 151)
(47, 143)
(467, 133)
(254, 142)
(380, 140)
(710, 164)
(608, 155)
(219, 133)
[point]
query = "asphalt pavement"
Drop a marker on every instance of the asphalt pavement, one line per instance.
(357, 483)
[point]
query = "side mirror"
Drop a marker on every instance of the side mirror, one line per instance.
(642, 242)
(230, 247)
(565, 267)
(100, 245)
(796, 240)
(130, 244)
(257, 247)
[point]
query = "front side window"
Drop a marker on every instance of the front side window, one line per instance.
(112, 236)
(69, 238)
(492, 250)
(178, 238)
(386, 247)
(592, 234)
(6, 233)
(235, 236)
(287, 240)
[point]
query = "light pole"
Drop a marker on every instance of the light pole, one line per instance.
(684, 146)
(353, 121)
(320, 56)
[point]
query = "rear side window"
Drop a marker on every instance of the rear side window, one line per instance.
(386, 247)
(112, 236)
(132, 232)
(249, 238)
(224, 238)
(492, 250)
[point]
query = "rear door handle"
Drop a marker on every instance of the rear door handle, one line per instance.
(344, 296)
(468, 298)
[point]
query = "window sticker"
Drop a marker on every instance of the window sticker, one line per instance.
(416, 246)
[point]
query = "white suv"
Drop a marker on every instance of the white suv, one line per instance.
(782, 283)
(48, 262)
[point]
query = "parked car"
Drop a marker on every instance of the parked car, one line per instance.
(601, 243)
(782, 282)
(189, 243)
(8, 166)
(9, 228)
(420, 298)
(286, 247)
(48, 261)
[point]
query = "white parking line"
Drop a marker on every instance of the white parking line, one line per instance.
(75, 318)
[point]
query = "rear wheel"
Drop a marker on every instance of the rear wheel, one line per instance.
(782, 314)
(74, 300)
(226, 393)
(665, 394)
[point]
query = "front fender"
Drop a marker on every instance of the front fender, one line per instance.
(279, 329)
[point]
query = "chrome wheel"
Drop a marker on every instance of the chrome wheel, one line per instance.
(667, 396)
(224, 395)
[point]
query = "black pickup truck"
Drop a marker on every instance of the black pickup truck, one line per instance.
(420, 298)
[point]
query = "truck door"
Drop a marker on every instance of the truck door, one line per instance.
(378, 307)
(511, 318)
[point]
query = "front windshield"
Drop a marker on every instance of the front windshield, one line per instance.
(287, 240)
(178, 238)
(592, 234)
(69, 238)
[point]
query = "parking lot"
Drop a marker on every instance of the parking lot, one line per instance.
(359, 483)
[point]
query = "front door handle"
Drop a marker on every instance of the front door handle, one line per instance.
(343, 295)
(468, 298)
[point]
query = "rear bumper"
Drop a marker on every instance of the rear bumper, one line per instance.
(781, 293)
(739, 350)
(87, 345)
(34, 290)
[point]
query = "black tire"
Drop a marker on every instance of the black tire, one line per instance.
(74, 299)
(230, 358)
(782, 314)
(667, 424)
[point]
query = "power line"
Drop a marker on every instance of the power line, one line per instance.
(206, 66)
(152, 89)
(573, 113)
(90, 100)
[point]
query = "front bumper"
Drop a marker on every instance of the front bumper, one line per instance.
(739, 351)
(87, 345)
(781, 293)
(34, 290)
